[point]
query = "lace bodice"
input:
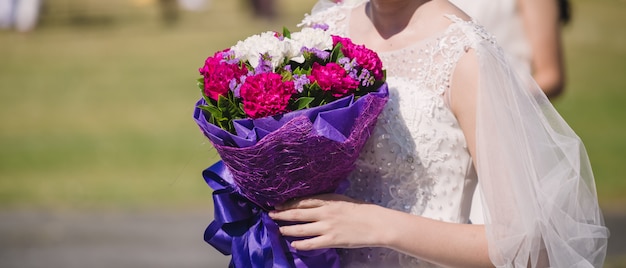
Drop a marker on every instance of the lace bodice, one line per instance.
(416, 160)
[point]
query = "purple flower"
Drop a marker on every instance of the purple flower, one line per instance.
(265, 66)
(322, 54)
(228, 57)
(366, 78)
(350, 66)
(300, 81)
(322, 26)
(235, 86)
(354, 74)
(345, 62)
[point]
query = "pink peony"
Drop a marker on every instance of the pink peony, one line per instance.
(265, 94)
(218, 73)
(366, 58)
(333, 78)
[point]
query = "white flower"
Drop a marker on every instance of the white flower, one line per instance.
(309, 38)
(252, 48)
(312, 38)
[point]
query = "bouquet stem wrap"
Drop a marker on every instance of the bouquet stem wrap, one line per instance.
(246, 232)
(274, 159)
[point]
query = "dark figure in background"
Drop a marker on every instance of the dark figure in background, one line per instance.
(565, 12)
(265, 9)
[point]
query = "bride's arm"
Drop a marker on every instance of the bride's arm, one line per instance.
(335, 221)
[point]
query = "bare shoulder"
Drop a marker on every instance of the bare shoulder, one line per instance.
(436, 12)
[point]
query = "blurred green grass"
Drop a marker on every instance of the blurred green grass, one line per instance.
(95, 105)
(97, 112)
(594, 103)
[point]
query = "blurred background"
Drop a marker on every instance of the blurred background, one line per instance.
(100, 160)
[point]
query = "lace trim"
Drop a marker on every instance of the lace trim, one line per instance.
(332, 17)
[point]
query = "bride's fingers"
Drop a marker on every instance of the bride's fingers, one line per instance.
(303, 230)
(295, 215)
(313, 243)
(310, 202)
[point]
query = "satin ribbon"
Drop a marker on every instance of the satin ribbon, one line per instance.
(245, 231)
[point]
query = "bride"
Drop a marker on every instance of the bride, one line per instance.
(457, 114)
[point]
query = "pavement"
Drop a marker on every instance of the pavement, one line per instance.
(137, 239)
(106, 239)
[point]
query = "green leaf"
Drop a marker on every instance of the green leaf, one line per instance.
(237, 106)
(286, 33)
(201, 83)
(303, 102)
(286, 76)
(226, 110)
(215, 112)
(315, 90)
(336, 53)
(299, 70)
(223, 103)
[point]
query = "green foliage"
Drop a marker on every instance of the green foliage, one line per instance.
(224, 111)
(593, 103)
(303, 102)
(336, 52)
(286, 32)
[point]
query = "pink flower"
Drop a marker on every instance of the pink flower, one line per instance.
(218, 73)
(265, 94)
(333, 78)
(366, 58)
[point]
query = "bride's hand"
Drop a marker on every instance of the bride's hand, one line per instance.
(331, 221)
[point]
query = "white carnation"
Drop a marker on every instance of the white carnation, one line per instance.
(312, 38)
(252, 48)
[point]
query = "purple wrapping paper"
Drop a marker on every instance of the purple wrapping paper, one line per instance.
(300, 153)
(274, 159)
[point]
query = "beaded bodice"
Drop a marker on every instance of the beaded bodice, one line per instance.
(416, 160)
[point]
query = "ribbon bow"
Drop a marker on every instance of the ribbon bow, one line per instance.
(245, 231)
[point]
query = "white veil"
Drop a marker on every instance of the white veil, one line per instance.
(539, 196)
(322, 5)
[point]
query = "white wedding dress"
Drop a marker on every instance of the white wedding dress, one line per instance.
(417, 160)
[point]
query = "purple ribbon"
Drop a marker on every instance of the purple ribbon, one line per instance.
(245, 231)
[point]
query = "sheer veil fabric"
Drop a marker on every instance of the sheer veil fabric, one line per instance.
(539, 196)
(539, 191)
(322, 5)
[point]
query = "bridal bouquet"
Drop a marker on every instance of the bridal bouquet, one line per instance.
(288, 113)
